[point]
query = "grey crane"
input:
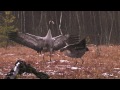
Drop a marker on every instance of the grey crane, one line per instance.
(38, 43)
(76, 50)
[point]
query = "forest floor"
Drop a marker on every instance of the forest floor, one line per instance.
(102, 62)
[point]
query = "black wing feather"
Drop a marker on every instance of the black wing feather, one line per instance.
(61, 41)
(76, 46)
(25, 40)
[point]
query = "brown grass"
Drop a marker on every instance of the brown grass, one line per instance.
(102, 64)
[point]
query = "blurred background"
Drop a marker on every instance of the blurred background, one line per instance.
(100, 27)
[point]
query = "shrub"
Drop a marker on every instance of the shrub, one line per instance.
(7, 20)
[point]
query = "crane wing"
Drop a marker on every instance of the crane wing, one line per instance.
(26, 40)
(34, 36)
(57, 37)
(76, 46)
(62, 40)
(59, 42)
(80, 44)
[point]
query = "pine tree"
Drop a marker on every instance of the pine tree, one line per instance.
(7, 24)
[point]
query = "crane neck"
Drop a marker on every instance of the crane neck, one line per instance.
(49, 35)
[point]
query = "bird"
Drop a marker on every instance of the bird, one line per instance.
(75, 50)
(38, 43)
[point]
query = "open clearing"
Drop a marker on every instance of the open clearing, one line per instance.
(101, 63)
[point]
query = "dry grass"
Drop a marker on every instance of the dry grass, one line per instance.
(102, 65)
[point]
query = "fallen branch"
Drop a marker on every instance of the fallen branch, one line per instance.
(21, 67)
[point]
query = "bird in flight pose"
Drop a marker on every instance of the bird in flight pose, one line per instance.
(38, 43)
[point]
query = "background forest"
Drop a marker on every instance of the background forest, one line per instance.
(100, 27)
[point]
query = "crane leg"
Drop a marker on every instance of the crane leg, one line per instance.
(75, 61)
(50, 56)
(50, 53)
(43, 57)
(82, 61)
